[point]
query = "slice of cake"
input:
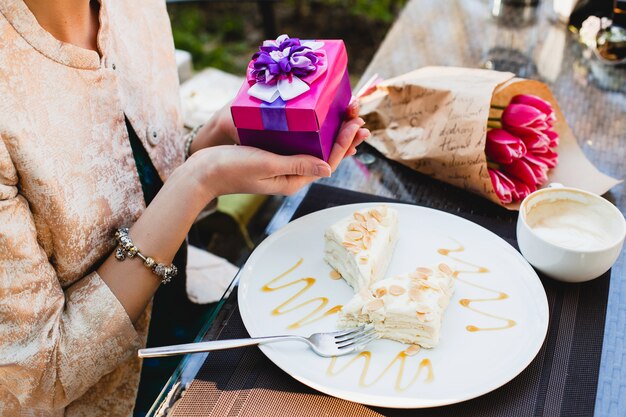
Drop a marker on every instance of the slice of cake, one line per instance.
(407, 308)
(359, 247)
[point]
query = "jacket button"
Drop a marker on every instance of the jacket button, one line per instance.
(153, 137)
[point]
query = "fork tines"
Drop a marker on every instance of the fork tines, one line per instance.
(356, 338)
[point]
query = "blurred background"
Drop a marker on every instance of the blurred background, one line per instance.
(224, 34)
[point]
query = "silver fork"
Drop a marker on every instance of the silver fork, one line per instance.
(324, 344)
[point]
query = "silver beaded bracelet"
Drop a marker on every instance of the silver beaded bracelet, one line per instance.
(189, 137)
(126, 248)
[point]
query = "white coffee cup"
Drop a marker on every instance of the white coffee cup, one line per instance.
(569, 234)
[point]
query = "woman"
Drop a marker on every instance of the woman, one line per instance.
(90, 127)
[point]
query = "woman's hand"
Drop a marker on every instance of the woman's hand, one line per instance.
(210, 172)
(241, 169)
(221, 130)
(351, 134)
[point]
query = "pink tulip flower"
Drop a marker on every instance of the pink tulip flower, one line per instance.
(502, 147)
(537, 102)
(502, 185)
(547, 157)
(531, 172)
(553, 136)
(521, 189)
(522, 148)
(539, 168)
(523, 119)
(535, 140)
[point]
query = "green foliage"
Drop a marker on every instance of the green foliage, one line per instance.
(224, 35)
(213, 41)
(373, 10)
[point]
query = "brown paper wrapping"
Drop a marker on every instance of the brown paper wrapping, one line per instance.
(434, 120)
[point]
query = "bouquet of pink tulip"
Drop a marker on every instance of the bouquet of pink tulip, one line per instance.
(484, 131)
(520, 147)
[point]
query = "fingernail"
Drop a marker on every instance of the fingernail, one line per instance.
(322, 170)
(361, 121)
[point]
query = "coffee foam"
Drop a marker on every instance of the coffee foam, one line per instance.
(577, 222)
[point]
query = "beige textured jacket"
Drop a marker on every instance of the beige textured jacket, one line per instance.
(67, 181)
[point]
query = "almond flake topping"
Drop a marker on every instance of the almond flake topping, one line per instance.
(334, 274)
(370, 225)
(359, 234)
(359, 217)
(421, 317)
(445, 269)
(418, 275)
(354, 235)
(425, 271)
(375, 304)
(427, 284)
(396, 290)
(367, 241)
(353, 248)
(414, 294)
(354, 227)
(381, 291)
(376, 215)
(412, 350)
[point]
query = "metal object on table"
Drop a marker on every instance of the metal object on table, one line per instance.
(516, 12)
(611, 42)
(611, 47)
(512, 34)
(330, 344)
(366, 158)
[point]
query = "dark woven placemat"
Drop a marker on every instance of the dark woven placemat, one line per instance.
(560, 381)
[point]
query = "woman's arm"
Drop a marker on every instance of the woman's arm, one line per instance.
(210, 172)
(54, 343)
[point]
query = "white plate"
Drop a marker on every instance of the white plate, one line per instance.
(464, 365)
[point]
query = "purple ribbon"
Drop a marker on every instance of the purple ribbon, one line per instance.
(273, 115)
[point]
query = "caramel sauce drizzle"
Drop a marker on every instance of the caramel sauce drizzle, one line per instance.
(308, 282)
(425, 364)
(467, 302)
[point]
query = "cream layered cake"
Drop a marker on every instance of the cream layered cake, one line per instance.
(408, 308)
(360, 246)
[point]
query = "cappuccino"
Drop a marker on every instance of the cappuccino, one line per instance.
(568, 234)
(571, 224)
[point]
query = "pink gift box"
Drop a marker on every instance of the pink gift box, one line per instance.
(306, 124)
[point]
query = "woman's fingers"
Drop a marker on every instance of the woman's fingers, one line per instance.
(363, 134)
(353, 110)
(301, 165)
(345, 138)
